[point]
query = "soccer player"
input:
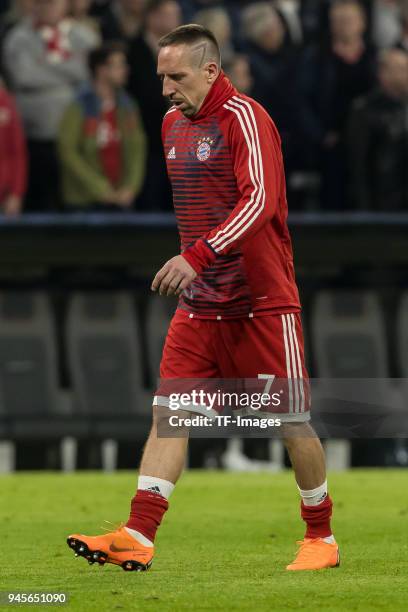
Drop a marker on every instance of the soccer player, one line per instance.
(239, 310)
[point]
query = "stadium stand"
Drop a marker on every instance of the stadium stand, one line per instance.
(350, 348)
(31, 406)
(105, 364)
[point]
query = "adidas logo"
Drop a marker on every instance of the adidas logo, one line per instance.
(172, 153)
(154, 489)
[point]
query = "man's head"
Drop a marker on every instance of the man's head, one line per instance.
(49, 12)
(161, 16)
(347, 19)
(22, 8)
(263, 26)
(108, 65)
(393, 73)
(189, 63)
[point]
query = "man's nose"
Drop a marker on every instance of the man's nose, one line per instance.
(168, 88)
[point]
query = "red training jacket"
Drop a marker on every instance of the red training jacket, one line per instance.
(226, 169)
(13, 155)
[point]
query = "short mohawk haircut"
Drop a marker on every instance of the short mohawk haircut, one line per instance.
(193, 34)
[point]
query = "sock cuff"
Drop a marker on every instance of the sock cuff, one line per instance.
(155, 485)
(316, 495)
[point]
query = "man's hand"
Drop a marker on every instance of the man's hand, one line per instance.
(174, 277)
(125, 197)
(12, 206)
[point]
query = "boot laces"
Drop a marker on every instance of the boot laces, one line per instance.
(306, 549)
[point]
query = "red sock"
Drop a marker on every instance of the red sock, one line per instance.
(146, 513)
(317, 519)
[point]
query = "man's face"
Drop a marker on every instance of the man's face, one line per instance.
(115, 71)
(50, 12)
(347, 20)
(185, 83)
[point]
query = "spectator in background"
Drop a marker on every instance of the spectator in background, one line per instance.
(238, 70)
(218, 21)
(101, 141)
(331, 77)
(161, 16)
(13, 157)
(19, 10)
(385, 22)
(45, 58)
(378, 139)
(313, 16)
(274, 60)
(79, 10)
(122, 19)
(290, 9)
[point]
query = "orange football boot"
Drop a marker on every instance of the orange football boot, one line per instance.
(117, 547)
(314, 554)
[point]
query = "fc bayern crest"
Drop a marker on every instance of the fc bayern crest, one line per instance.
(204, 148)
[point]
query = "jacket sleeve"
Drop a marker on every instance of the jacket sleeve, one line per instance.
(257, 159)
(134, 151)
(69, 137)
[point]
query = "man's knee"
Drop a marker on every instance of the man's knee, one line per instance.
(294, 433)
(161, 421)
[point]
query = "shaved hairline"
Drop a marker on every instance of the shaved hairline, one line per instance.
(204, 51)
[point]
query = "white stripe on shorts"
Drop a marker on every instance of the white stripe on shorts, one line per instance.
(295, 374)
(300, 373)
(288, 363)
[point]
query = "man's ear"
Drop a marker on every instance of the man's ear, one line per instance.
(212, 69)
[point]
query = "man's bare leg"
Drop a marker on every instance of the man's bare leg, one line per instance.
(163, 457)
(306, 455)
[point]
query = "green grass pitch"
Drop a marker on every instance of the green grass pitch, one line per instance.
(223, 545)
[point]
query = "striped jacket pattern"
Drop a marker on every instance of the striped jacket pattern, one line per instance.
(226, 169)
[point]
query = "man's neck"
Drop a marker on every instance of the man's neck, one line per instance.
(105, 92)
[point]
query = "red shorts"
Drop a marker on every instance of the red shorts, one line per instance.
(249, 348)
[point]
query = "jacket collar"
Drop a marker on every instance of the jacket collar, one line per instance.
(221, 91)
(91, 102)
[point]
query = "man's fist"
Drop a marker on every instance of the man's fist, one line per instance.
(174, 277)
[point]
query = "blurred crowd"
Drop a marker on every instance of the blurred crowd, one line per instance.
(81, 104)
